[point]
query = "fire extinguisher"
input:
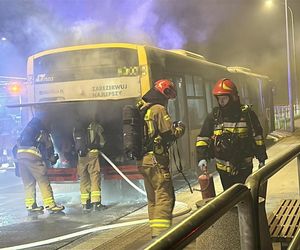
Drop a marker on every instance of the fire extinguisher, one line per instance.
(207, 186)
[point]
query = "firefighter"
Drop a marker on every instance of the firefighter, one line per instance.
(88, 142)
(231, 134)
(33, 152)
(160, 133)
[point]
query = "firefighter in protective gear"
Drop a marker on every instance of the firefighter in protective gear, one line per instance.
(34, 151)
(89, 167)
(231, 134)
(159, 134)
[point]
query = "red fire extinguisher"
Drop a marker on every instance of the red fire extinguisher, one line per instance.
(207, 186)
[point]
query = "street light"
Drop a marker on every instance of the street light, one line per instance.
(294, 55)
(290, 91)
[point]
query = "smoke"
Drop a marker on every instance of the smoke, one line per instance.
(10, 56)
(50, 24)
(235, 32)
(168, 23)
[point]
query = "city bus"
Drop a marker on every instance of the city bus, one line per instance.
(98, 80)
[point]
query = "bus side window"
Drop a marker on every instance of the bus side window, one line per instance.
(198, 83)
(172, 109)
(195, 100)
(209, 97)
(177, 107)
(190, 91)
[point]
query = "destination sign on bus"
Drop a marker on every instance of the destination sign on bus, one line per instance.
(96, 89)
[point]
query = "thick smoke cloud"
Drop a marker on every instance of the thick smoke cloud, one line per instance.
(229, 32)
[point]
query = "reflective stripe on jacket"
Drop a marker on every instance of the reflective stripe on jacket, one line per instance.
(29, 150)
(245, 125)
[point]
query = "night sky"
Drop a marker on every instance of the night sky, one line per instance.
(230, 32)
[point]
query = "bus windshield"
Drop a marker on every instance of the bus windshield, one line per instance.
(86, 64)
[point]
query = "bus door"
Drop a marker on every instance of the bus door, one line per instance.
(178, 111)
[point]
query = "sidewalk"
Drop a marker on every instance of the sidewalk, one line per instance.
(282, 185)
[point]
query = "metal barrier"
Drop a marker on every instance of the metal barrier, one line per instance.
(295, 243)
(282, 115)
(249, 205)
(190, 228)
(258, 180)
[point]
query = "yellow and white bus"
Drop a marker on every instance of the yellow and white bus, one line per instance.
(87, 81)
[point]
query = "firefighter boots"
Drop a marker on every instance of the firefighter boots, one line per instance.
(86, 207)
(55, 208)
(97, 206)
(35, 208)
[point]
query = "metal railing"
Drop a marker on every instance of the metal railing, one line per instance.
(295, 243)
(256, 182)
(247, 197)
(190, 228)
(282, 115)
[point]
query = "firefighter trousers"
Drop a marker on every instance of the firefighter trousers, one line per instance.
(90, 179)
(160, 192)
(33, 170)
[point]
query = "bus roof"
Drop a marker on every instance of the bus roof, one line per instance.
(180, 53)
(246, 71)
(176, 53)
(87, 46)
(187, 53)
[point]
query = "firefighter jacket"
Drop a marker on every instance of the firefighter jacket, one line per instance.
(159, 130)
(232, 137)
(36, 141)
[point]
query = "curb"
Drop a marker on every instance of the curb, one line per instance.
(278, 134)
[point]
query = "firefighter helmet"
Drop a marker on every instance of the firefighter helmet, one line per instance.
(166, 87)
(225, 87)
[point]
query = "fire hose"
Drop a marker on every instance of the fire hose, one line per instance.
(122, 175)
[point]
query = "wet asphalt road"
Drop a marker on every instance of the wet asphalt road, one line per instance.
(17, 227)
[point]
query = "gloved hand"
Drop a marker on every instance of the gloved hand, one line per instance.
(234, 171)
(53, 159)
(202, 164)
(179, 128)
(82, 153)
(261, 164)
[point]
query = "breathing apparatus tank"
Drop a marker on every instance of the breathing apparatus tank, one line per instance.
(133, 126)
(81, 140)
